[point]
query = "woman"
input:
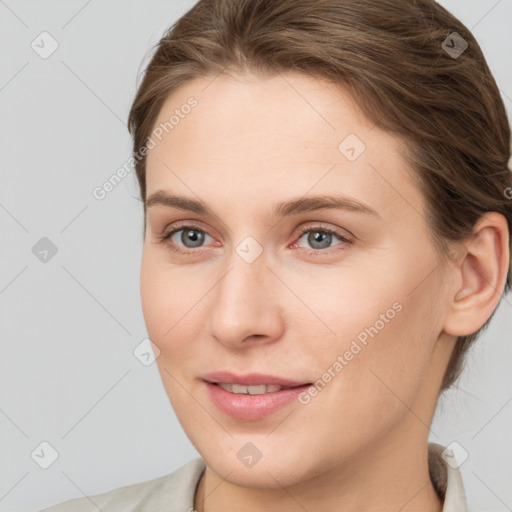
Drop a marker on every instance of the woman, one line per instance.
(327, 230)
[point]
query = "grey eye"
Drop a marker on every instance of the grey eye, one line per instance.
(190, 238)
(318, 239)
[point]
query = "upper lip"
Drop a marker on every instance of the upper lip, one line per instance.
(250, 379)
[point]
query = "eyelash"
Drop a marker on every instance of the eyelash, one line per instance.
(165, 238)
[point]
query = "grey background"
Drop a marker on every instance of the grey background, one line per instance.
(68, 374)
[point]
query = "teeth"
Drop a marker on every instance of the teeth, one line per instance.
(251, 390)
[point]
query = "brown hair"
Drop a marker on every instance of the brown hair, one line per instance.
(393, 56)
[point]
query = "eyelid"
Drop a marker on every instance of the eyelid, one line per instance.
(170, 230)
(301, 231)
(181, 224)
(322, 226)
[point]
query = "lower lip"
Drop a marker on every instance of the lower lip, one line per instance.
(252, 407)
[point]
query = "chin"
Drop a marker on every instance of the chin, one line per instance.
(271, 471)
(265, 476)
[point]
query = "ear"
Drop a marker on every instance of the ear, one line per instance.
(480, 276)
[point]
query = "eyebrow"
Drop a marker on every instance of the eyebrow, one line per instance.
(286, 208)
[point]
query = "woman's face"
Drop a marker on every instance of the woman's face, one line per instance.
(306, 259)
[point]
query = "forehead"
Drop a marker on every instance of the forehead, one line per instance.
(274, 135)
(233, 113)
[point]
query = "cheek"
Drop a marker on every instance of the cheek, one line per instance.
(338, 303)
(378, 342)
(162, 299)
(174, 302)
(168, 299)
(154, 299)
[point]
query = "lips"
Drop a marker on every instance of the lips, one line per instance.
(252, 396)
(251, 379)
(260, 389)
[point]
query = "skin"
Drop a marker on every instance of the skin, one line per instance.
(250, 143)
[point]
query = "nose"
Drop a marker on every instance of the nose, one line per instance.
(245, 305)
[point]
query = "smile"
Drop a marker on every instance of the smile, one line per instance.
(252, 402)
(251, 390)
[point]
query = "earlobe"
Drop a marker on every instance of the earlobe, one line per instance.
(482, 273)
